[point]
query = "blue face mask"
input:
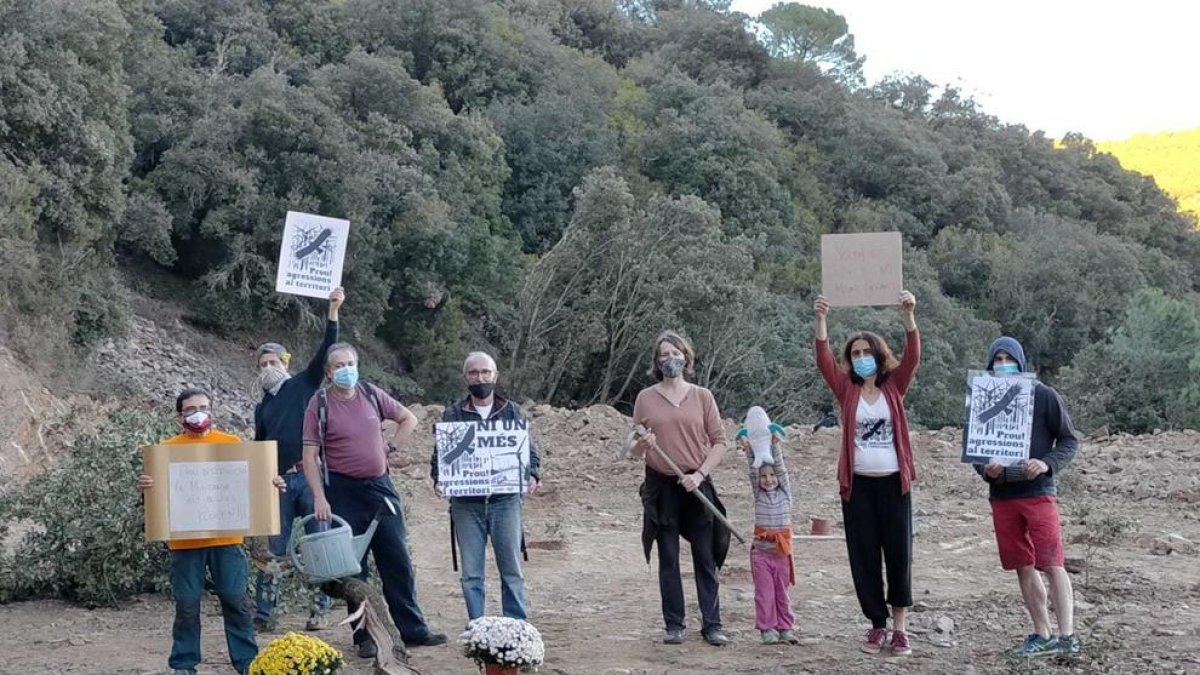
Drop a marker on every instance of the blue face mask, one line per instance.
(346, 377)
(864, 366)
(1006, 369)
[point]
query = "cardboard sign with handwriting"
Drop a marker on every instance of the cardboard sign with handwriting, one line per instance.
(862, 269)
(204, 490)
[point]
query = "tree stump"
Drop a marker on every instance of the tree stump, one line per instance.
(391, 656)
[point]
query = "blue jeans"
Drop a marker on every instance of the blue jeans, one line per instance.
(359, 501)
(499, 517)
(227, 564)
(295, 503)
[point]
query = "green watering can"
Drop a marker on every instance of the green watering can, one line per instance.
(334, 553)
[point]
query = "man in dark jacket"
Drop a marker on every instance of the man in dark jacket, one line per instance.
(1025, 510)
(475, 518)
(279, 417)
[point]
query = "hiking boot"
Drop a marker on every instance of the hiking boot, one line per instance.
(874, 641)
(900, 643)
(770, 637)
(715, 637)
(788, 637)
(1069, 645)
(265, 625)
(429, 639)
(1036, 645)
(673, 636)
(367, 649)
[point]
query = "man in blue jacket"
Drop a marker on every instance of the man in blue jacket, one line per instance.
(279, 417)
(474, 519)
(1024, 499)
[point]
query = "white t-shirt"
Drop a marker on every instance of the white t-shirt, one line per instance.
(484, 411)
(874, 441)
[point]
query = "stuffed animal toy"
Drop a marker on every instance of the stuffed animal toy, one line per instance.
(760, 432)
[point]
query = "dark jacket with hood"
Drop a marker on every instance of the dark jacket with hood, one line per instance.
(1053, 440)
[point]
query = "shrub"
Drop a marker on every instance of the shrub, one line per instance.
(85, 539)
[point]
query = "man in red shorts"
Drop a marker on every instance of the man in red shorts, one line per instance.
(1025, 511)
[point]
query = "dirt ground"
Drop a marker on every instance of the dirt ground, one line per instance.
(595, 599)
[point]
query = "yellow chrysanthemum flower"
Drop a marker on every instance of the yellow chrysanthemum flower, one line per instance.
(296, 654)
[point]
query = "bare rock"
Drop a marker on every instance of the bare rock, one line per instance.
(1172, 543)
(945, 624)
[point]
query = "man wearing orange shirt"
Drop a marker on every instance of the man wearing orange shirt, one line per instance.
(223, 557)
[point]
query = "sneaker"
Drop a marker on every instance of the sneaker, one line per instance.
(265, 625)
(1069, 645)
(900, 643)
(716, 637)
(430, 639)
(367, 649)
(788, 637)
(874, 641)
(770, 637)
(1036, 645)
(673, 637)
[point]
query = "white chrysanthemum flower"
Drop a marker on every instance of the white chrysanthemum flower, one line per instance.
(504, 641)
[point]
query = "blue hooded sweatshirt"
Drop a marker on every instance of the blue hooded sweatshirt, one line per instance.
(1053, 441)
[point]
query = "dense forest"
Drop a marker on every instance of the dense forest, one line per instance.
(559, 180)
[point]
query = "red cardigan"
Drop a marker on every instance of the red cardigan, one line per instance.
(893, 388)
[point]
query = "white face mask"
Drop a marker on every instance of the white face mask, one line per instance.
(197, 422)
(270, 377)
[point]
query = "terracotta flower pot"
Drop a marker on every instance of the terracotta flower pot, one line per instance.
(820, 525)
(494, 669)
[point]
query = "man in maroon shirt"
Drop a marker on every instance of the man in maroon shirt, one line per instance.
(357, 485)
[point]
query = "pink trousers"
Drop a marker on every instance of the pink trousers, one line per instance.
(772, 576)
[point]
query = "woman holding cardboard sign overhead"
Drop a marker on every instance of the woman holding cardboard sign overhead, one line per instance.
(875, 468)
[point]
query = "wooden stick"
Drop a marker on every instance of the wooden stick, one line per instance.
(699, 495)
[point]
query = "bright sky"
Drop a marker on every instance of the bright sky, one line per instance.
(1106, 69)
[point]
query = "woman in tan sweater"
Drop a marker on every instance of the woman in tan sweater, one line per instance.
(681, 420)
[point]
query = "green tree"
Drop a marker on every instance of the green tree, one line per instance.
(551, 142)
(814, 35)
(472, 48)
(1145, 374)
(709, 47)
(622, 273)
(703, 141)
(64, 156)
(1061, 289)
